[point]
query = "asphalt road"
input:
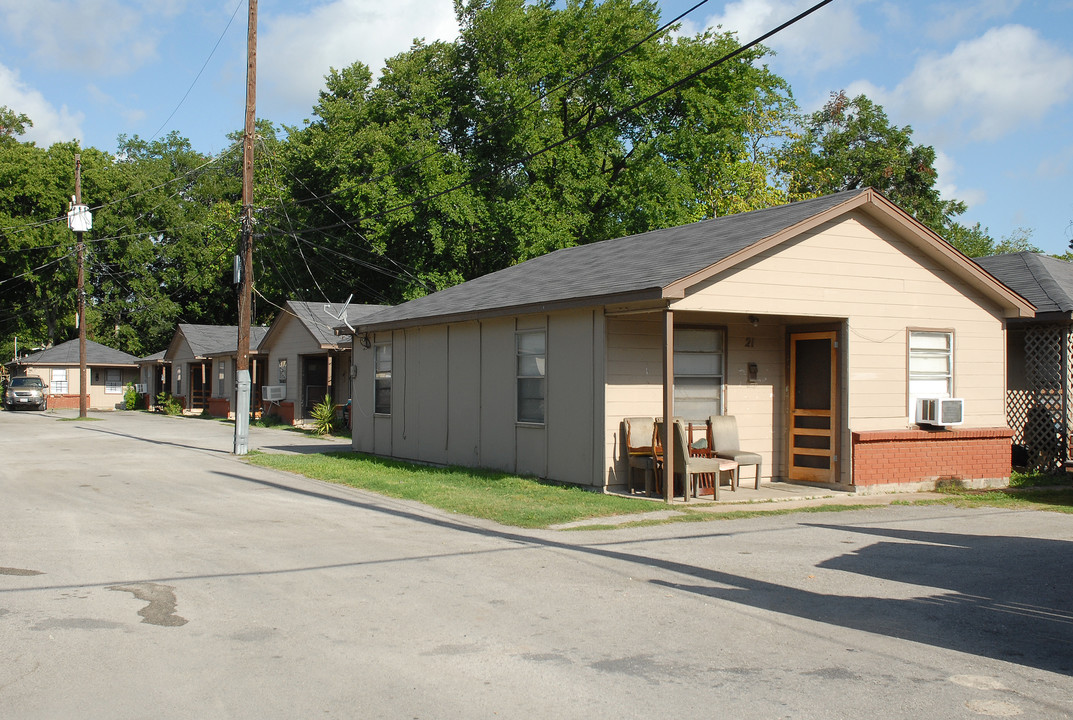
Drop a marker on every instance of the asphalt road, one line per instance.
(147, 573)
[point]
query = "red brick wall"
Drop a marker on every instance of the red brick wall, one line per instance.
(62, 402)
(915, 456)
(285, 410)
(219, 407)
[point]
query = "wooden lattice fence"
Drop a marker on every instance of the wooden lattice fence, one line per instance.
(1040, 414)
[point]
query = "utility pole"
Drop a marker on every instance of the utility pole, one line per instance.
(77, 220)
(245, 289)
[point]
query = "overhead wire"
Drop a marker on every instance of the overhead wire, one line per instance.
(408, 272)
(517, 111)
(199, 72)
(585, 129)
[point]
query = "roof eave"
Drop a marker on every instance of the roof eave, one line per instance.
(526, 309)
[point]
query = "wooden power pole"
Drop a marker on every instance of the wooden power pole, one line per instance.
(245, 288)
(82, 399)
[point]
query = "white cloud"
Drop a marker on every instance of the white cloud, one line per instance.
(961, 17)
(49, 124)
(947, 170)
(105, 37)
(829, 37)
(296, 51)
(1056, 166)
(987, 87)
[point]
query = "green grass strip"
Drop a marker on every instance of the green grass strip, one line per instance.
(507, 499)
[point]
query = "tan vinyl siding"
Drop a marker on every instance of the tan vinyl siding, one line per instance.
(857, 269)
(361, 407)
(453, 398)
(571, 417)
(289, 341)
(635, 381)
(426, 405)
(464, 394)
(498, 439)
(634, 372)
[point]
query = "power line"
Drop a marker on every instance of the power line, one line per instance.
(517, 111)
(587, 128)
(198, 76)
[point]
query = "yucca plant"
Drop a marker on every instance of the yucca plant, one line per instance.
(324, 416)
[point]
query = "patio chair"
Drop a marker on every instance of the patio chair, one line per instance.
(691, 467)
(723, 440)
(639, 450)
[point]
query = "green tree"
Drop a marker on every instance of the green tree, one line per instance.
(975, 241)
(850, 144)
(469, 156)
(37, 251)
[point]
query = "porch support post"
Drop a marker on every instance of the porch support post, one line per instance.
(668, 408)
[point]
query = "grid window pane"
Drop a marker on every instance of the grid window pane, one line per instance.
(931, 365)
(58, 384)
(698, 373)
(382, 380)
(531, 365)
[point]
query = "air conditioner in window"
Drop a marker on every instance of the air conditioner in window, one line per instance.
(273, 393)
(140, 388)
(940, 412)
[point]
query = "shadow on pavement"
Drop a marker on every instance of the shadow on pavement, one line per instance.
(1006, 598)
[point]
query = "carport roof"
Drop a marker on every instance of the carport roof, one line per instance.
(1045, 281)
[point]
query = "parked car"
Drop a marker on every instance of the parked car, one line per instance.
(25, 391)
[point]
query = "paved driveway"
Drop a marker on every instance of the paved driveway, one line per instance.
(146, 572)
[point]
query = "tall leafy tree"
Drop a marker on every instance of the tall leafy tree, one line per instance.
(37, 251)
(465, 157)
(154, 260)
(850, 143)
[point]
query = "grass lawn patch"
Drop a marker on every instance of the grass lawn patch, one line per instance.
(506, 499)
(1034, 491)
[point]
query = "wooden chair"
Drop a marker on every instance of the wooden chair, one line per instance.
(640, 441)
(723, 441)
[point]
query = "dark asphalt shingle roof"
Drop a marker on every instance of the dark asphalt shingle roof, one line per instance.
(321, 323)
(1044, 281)
(157, 357)
(205, 340)
(648, 261)
(67, 354)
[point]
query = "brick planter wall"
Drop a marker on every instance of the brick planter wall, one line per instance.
(62, 402)
(285, 410)
(978, 456)
(219, 407)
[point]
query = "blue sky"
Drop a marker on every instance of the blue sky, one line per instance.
(988, 83)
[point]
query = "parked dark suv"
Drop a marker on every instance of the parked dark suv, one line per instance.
(25, 391)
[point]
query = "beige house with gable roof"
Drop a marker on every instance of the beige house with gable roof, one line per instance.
(816, 324)
(305, 359)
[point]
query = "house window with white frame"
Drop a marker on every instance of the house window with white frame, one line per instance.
(58, 382)
(931, 365)
(113, 382)
(531, 354)
(220, 376)
(698, 373)
(282, 376)
(382, 379)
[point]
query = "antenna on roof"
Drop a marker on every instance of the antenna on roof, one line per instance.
(341, 317)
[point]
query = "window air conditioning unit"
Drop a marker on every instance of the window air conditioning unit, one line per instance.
(273, 393)
(140, 388)
(940, 412)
